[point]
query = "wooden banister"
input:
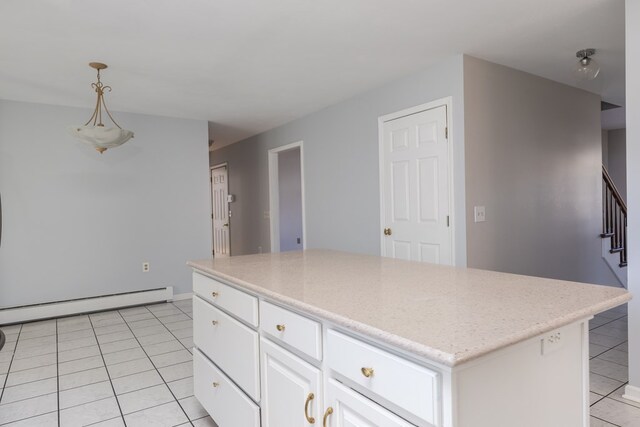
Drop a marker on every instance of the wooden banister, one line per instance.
(614, 217)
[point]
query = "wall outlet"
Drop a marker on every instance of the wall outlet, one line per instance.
(479, 214)
(145, 267)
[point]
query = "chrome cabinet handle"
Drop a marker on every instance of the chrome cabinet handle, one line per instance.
(310, 420)
(328, 412)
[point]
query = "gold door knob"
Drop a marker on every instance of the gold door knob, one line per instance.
(310, 420)
(214, 322)
(387, 232)
(280, 328)
(328, 412)
(214, 294)
(215, 385)
(367, 372)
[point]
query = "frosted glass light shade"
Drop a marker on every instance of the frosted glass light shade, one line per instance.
(587, 69)
(101, 138)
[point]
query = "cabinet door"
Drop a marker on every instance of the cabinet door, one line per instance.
(351, 409)
(287, 382)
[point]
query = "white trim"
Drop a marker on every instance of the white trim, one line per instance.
(632, 393)
(86, 305)
(447, 102)
(180, 297)
(274, 200)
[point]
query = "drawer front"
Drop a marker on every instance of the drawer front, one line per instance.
(224, 401)
(230, 344)
(352, 409)
(299, 332)
(232, 300)
(411, 387)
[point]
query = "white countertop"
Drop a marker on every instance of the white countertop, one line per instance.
(447, 314)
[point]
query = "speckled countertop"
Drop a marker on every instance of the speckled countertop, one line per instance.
(446, 314)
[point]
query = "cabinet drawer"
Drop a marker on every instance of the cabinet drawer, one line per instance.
(232, 300)
(405, 384)
(230, 344)
(299, 332)
(224, 401)
(352, 409)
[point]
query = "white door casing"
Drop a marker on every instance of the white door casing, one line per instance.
(220, 211)
(274, 195)
(416, 184)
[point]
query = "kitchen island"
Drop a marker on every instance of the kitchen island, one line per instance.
(336, 339)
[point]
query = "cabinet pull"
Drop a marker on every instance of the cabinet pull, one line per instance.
(215, 384)
(214, 294)
(214, 322)
(310, 420)
(367, 372)
(326, 415)
(280, 328)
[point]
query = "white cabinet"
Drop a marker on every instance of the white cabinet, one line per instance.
(292, 393)
(346, 408)
(228, 405)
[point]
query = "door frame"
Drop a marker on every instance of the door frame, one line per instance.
(211, 169)
(274, 195)
(446, 102)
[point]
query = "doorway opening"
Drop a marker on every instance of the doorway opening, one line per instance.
(286, 198)
(220, 210)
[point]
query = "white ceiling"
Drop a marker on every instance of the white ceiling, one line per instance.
(250, 65)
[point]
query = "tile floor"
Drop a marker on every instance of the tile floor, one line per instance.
(132, 367)
(129, 367)
(609, 371)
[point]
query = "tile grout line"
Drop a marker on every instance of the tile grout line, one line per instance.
(170, 331)
(107, 371)
(13, 355)
(157, 370)
(57, 375)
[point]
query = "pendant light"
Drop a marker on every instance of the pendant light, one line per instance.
(94, 132)
(587, 67)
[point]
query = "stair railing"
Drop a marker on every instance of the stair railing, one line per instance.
(614, 217)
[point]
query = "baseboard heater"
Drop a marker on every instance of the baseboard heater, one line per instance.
(27, 313)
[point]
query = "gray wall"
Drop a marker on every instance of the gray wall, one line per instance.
(617, 159)
(78, 224)
(534, 154)
(632, 46)
(605, 148)
(341, 166)
(290, 199)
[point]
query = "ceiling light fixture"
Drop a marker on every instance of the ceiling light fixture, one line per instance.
(587, 68)
(94, 133)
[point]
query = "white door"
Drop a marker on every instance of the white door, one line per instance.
(291, 389)
(350, 409)
(416, 187)
(220, 211)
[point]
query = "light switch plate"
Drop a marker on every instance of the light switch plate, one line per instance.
(479, 214)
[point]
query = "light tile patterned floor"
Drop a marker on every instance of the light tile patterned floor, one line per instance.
(133, 367)
(129, 367)
(609, 371)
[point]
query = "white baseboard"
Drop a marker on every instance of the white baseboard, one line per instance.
(178, 297)
(632, 393)
(66, 308)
